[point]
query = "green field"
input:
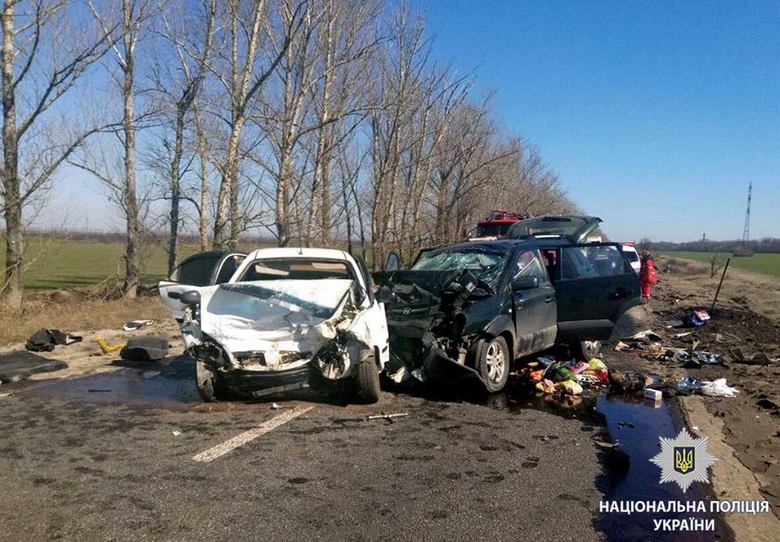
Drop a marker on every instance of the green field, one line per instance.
(62, 263)
(765, 264)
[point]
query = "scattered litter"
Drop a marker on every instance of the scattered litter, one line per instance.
(688, 385)
(603, 444)
(134, 325)
(44, 340)
(388, 416)
(176, 433)
(622, 347)
(653, 404)
(648, 334)
(145, 348)
(2, 395)
(700, 357)
(681, 335)
(696, 319)
(628, 381)
(275, 406)
(754, 358)
(109, 348)
(653, 395)
(717, 388)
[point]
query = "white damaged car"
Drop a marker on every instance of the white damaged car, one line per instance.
(288, 318)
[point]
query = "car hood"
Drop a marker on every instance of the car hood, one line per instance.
(273, 315)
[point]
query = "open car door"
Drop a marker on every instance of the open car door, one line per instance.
(595, 285)
(202, 269)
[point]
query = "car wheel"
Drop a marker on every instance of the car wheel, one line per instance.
(368, 380)
(494, 364)
(209, 386)
(586, 349)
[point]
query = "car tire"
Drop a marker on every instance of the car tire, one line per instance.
(493, 363)
(368, 380)
(210, 387)
(586, 349)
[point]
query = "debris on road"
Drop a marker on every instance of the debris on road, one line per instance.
(653, 395)
(18, 365)
(109, 348)
(44, 340)
(717, 388)
(688, 385)
(134, 325)
(145, 348)
(388, 416)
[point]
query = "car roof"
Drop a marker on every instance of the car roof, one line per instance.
(506, 245)
(290, 252)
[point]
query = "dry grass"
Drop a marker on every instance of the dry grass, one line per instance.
(75, 311)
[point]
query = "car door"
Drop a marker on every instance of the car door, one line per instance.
(199, 270)
(533, 304)
(595, 285)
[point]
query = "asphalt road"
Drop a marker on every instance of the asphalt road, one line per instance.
(110, 457)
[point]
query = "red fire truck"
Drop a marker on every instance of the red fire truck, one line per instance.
(497, 223)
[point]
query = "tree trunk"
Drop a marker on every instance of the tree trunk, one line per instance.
(132, 256)
(14, 250)
(228, 190)
(173, 240)
(203, 222)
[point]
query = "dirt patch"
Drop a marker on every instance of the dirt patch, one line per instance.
(74, 310)
(745, 318)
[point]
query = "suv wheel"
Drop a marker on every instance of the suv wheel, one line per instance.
(493, 364)
(586, 349)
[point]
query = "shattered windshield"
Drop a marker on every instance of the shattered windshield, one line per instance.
(485, 264)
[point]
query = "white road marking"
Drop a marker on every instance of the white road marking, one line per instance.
(248, 436)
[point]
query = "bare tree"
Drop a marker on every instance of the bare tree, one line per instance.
(42, 60)
(242, 73)
(190, 35)
(135, 14)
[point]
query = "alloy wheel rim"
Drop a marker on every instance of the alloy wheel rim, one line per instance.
(494, 358)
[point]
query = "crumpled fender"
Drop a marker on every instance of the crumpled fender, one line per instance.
(440, 367)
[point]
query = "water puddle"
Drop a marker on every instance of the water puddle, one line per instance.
(633, 426)
(161, 385)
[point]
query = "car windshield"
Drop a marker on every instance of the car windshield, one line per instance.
(631, 256)
(485, 264)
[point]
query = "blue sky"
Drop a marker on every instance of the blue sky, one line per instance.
(655, 114)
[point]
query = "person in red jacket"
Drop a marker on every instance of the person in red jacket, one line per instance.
(647, 275)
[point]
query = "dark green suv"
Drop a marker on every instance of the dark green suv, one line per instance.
(468, 310)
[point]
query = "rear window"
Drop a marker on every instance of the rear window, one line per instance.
(297, 269)
(591, 262)
(196, 272)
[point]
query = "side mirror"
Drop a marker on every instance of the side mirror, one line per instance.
(385, 295)
(393, 262)
(525, 283)
(189, 298)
